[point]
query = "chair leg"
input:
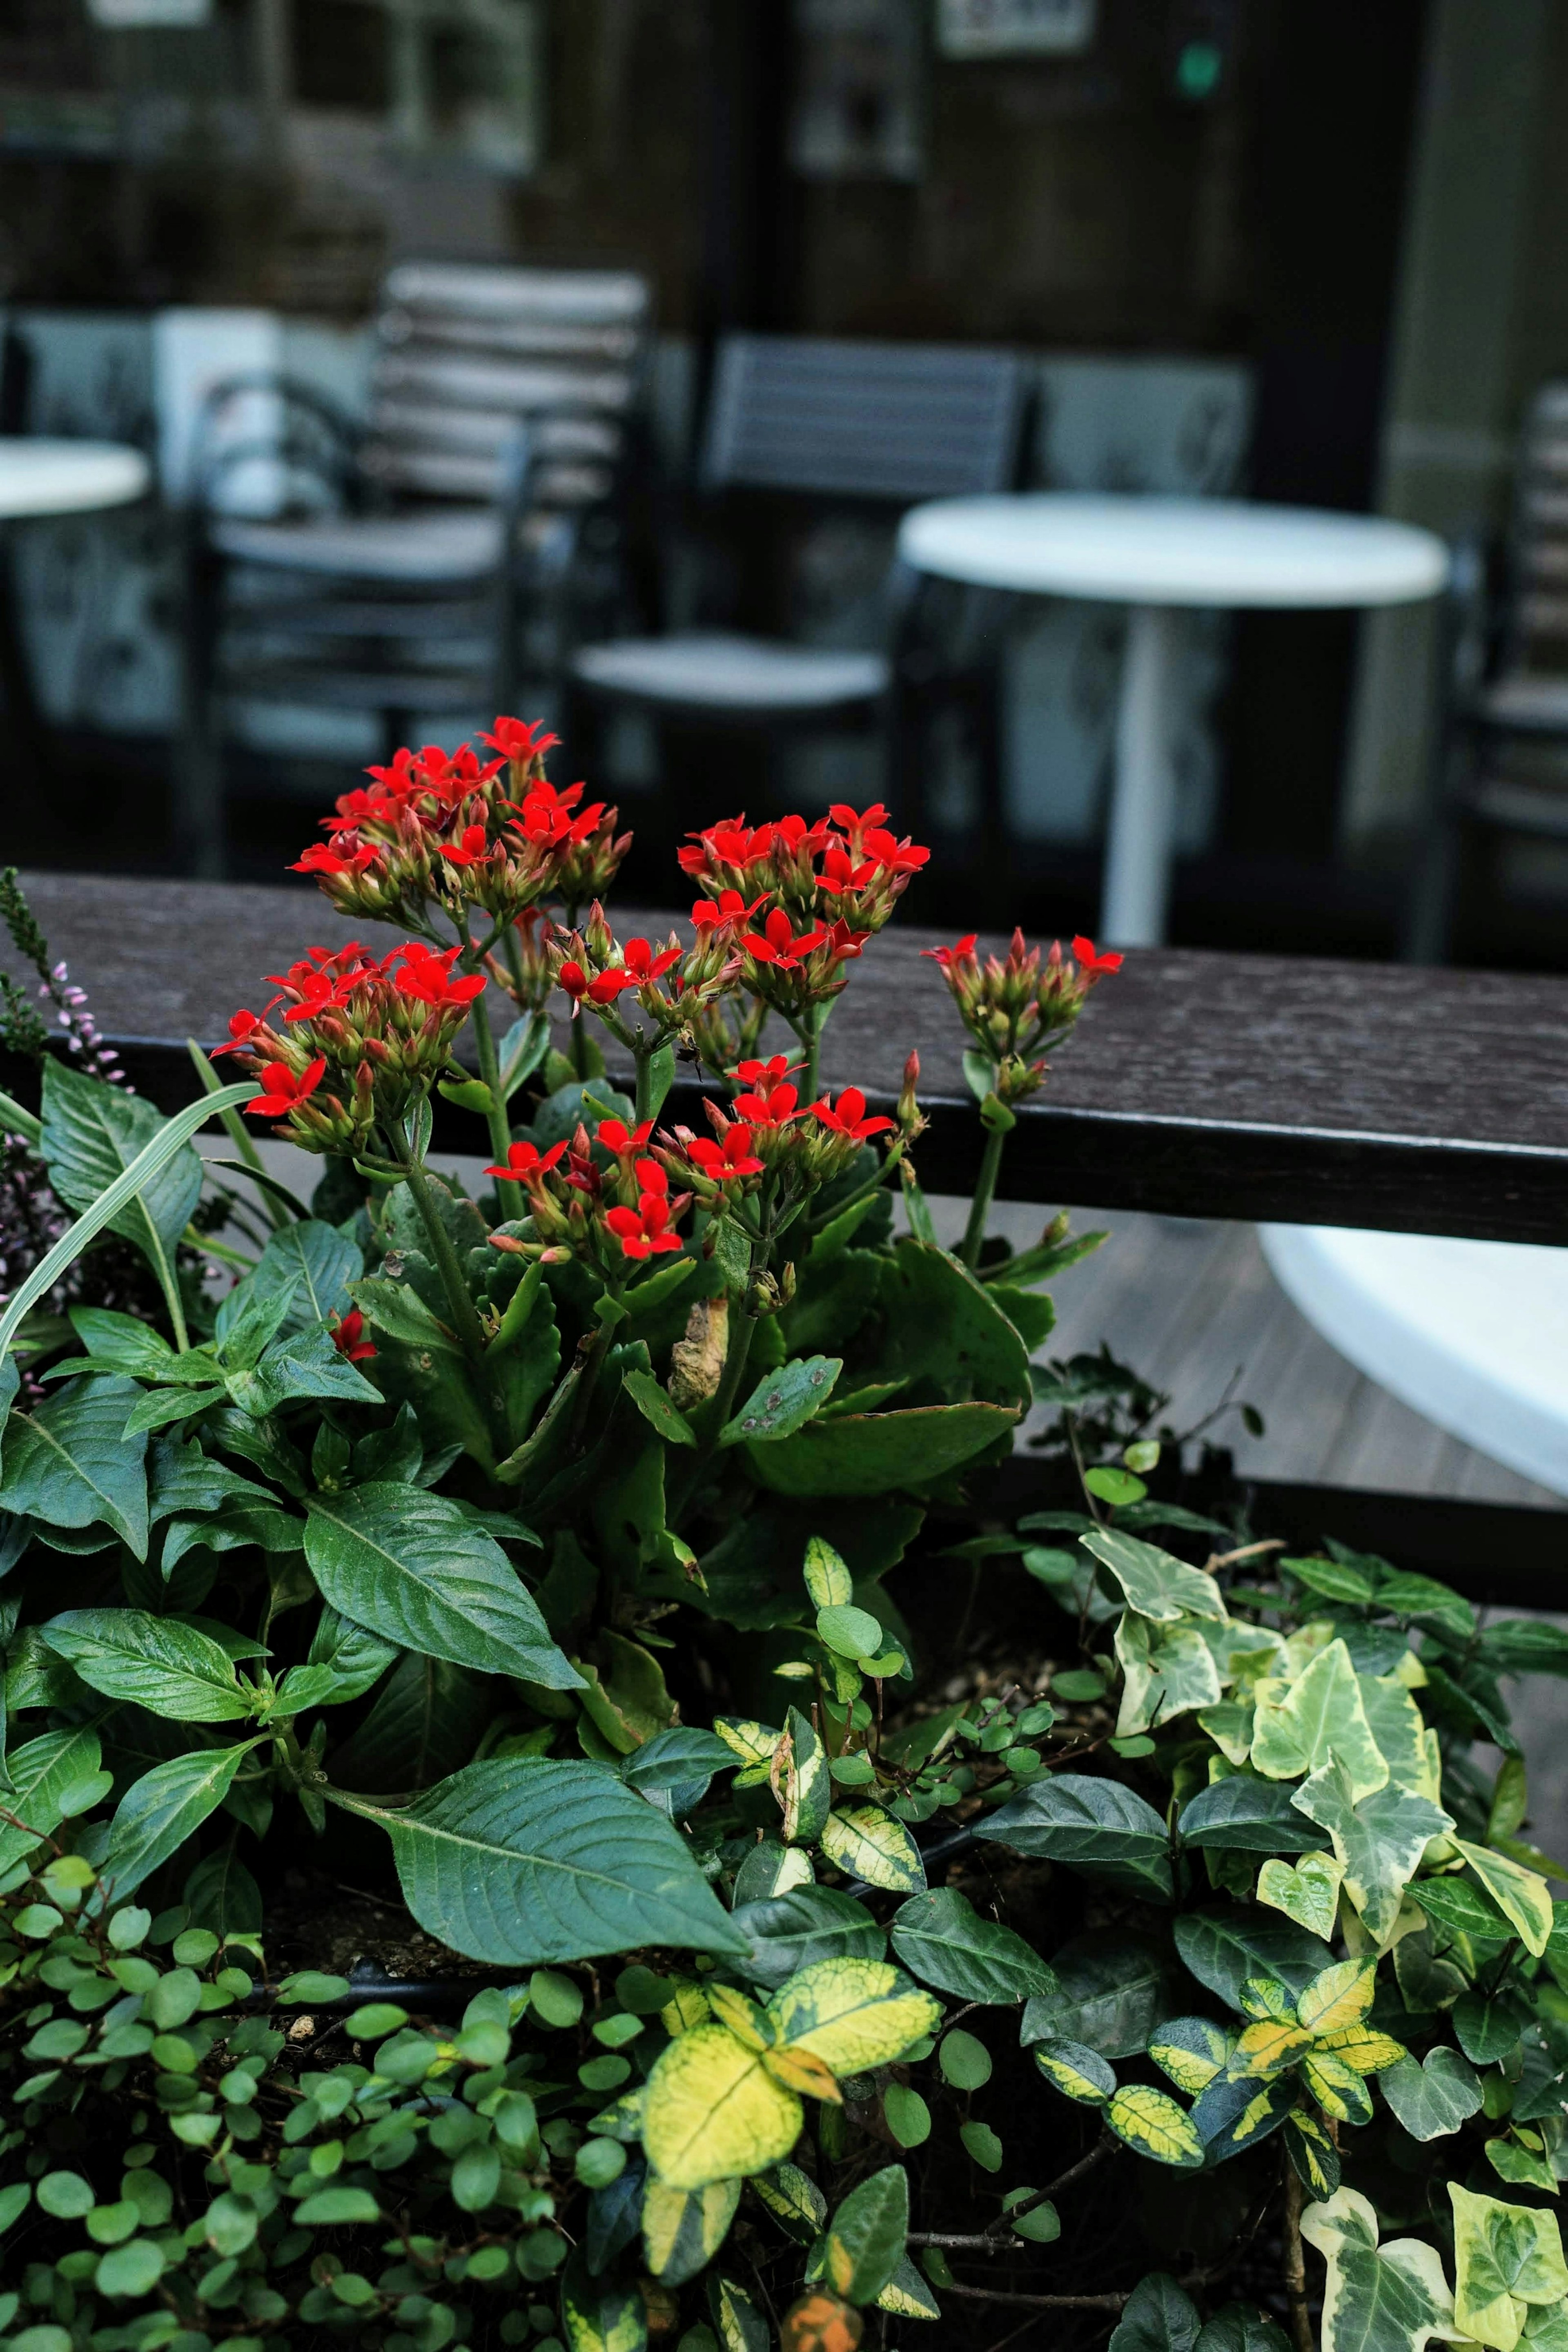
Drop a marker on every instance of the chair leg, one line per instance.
(196, 780)
(1429, 911)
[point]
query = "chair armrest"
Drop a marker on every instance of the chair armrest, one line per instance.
(328, 443)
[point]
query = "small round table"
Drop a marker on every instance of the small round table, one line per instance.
(40, 478)
(1156, 555)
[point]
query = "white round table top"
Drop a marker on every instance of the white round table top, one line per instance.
(1169, 551)
(1474, 1334)
(58, 477)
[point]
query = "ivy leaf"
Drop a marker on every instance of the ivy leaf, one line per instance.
(92, 1132)
(1380, 1840)
(1223, 1948)
(523, 1861)
(154, 1661)
(864, 2241)
(1296, 1728)
(1247, 1814)
(714, 2111)
(407, 1565)
(852, 2014)
(1154, 1583)
(1506, 2257)
(1522, 1896)
(42, 1772)
(943, 1939)
(866, 1843)
(783, 1401)
(1488, 2026)
(1093, 1825)
(1157, 2317)
(1375, 2298)
(1167, 1670)
(1306, 1892)
(163, 1808)
(786, 1933)
(1112, 1991)
(1461, 1908)
(794, 2199)
(69, 1463)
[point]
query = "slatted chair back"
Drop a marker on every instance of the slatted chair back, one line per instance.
(463, 351)
(1535, 618)
(821, 417)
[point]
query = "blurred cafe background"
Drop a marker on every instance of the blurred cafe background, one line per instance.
(586, 357)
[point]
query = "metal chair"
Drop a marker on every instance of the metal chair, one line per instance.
(805, 423)
(1501, 763)
(484, 493)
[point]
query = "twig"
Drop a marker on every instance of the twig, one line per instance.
(1004, 2221)
(1295, 2263)
(1042, 2301)
(1247, 1551)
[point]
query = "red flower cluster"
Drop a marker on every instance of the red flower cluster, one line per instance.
(646, 1231)
(1013, 1007)
(848, 866)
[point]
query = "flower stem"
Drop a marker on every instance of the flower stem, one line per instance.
(465, 1313)
(809, 1028)
(510, 1195)
(644, 1058)
(984, 1193)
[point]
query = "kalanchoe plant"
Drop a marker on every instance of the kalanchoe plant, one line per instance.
(812, 1953)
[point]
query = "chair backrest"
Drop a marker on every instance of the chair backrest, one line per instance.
(465, 351)
(816, 416)
(1535, 625)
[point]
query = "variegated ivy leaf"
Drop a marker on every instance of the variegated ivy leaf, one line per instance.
(1166, 1670)
(1516, 2156)
(804, 1784)
(1266, 1997)
(1432, 2096)
(1522, 1896)
(714, 2111)
(865, 1842)
(1152, 2124)
(1076, 2070)
(1306, 1891)
(1376, 2298)
(1379, 1837)
(1244, 1652)
(1192, 2051)
(1298, 1727)
(1400, 1733)
(754, 1743)
(1155, 1583)
(852, 2014)
(794, 2199)
(1506, 2259)
(682, 2228)
(1229, 1725)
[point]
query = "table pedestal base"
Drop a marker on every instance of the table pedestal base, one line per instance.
(1143, 795)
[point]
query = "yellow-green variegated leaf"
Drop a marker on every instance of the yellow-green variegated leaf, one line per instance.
(714, 2111)
(799, 2070)
(865, 1842)
(1154, 1583)
(1267, 2049)
(682, 2228)
(1150, 2123)
(754, 1743)
(1342, 2094)
(1166, 1671)
(828, 1580)
(1264, 2111)
(805, 1788)
(1299, 1726)
(1376, 2298)
(1229, 1725)
(794, 2199)
(1311, 2151)
(623, 2118)
(1306, 1891)
(743, 2016)
(1076, 2070)
(1361, 2049)
(1338, 1997)
(1191, 2051)
(687, 2006)
(1506, 2259)
(737, 2322)
(1264, 1999)
(1522, 1895)
(1380, 1838)
(1398, 1729)
(598, 2316)
(852, 2014)
(907, 2296)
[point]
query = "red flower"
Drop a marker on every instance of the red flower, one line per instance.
(732, 1157)
(348, 1336)
(601, 990)
(400, 779)
(472, 849)
(281, 1090)
(526, 1164)
(1091, 963)
(344, 854)
(644, 966)
(848, 1118)
(243, 1026)
(776, 943)
(615, 1135)
(427, 978)
(514, 739)
(769, 1073)
(722, 914)
(776, 1107)
(962, 952)
(644, 1231)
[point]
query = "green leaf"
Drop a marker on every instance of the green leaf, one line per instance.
(1522, 2166)
(1192, 2051)
(407, 1565)
(597, 2315)
(1380, 1840)
(1112, 1991)
(311, 1265)
(1298, 1727)
(1241, 2327)
(155, 1661)
(1167, 1670)
(1463, 1909)
(1432, 2096)
(1076, 2070)
(1335, 1579)
(1248, 1815)
(865, 2238)
(714, 2111)
(852, 2014)
(1223, 1948)
(1150, 2123)
(1423, 1598)
(943, 1939)
(1522, 1896)
(42, 1774)
(344, 1663)
(1158, 2316)
(69, 1463)
(684, 2229)
(877, 1453)
(1109, 1482)
(652, 1399)
(866, 1843)
(783, 1401)
(1093, 1825)
(1488, 2026)
(1505, 2258)
(1376, 2299)
(741, 2327)
(163, 1808)
(828, 1578)
(93, 1134)
(906, 2294)
(790, 1932)
(807, 1787)
(419, 1363)
(1154, 1583)
(521, 1860)
(942, 1328)
(1307, 1893)
(794, 2199)
(853, 1632)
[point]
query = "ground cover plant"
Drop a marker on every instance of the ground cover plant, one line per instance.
(831, 1905)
